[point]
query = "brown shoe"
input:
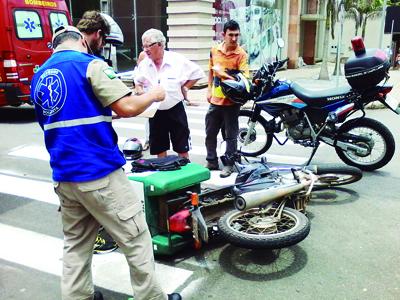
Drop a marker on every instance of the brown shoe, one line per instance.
(212, 165)
(226, 171)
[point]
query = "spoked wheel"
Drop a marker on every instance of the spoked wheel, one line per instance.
(253, 138)
(372, 137)
(255, 228)
(331, 175)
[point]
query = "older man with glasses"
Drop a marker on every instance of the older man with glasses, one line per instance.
(177, 75)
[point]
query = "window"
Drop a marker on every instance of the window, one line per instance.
(105, 6)
(28, 25)
(57, 19)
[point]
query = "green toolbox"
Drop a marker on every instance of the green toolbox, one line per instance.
(164, 193)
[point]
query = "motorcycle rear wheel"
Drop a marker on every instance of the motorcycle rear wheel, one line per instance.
(380, 148)
(254, 229)
(332, 175)
(260, 139)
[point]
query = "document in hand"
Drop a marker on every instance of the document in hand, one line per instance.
(150, 111)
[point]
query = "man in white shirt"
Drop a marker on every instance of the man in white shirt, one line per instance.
(177, 75)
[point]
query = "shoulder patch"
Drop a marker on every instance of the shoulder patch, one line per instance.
(110, 73)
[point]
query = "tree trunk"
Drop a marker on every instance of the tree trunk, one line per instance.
(324, 72)
(364, 27)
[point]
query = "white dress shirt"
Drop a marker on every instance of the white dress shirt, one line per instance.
(174, 72)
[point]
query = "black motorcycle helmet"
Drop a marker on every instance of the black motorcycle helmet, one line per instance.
(237, 90)
(132, 149)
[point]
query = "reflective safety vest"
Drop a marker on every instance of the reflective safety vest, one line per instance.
(77, 129)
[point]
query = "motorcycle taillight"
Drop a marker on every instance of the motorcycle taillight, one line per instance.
(358, 45)
(386, 90)
(178, 222)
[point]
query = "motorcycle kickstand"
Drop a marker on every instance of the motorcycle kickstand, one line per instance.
(315, 148)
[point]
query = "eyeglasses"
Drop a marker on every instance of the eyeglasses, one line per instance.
(103, 38)
(149, 46)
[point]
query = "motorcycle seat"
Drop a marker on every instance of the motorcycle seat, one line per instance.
(320, 98)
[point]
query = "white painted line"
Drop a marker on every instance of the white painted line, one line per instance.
(135, 126)
(189, 109)
(27, 188)
(193, 287)
(295, 160)
(197, 121)
(31, 151)
(193, 132)
(126, 125)
(197, 112)
(110, 271)
(40, 152)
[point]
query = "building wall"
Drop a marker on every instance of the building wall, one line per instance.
(189, 24)
(190, 29)
(371, 37)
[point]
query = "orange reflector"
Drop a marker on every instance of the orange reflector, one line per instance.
(194, 198)
(197, 244)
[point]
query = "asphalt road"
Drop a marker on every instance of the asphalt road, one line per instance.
(352, 251)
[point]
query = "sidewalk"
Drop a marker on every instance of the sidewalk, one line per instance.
(308, 77)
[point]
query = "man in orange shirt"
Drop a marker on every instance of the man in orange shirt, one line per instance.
(223, 114)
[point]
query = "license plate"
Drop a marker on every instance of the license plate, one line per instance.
(392, 102)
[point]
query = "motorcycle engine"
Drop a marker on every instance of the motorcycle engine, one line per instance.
(299, 131)
(297, 127)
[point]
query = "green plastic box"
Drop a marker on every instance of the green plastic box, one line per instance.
(164, 192)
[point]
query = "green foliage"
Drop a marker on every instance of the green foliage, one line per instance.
(361, 11)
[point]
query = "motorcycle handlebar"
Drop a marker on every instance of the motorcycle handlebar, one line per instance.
(280, 63)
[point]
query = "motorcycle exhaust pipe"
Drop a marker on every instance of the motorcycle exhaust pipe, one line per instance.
(256, 198)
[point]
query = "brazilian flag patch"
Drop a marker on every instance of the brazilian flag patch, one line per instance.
(110, 73)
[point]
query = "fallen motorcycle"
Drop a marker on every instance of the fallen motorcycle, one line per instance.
(310, 117)
(182, 209)
(271, 203)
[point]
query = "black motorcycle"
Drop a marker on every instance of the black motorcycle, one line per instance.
(310, 117)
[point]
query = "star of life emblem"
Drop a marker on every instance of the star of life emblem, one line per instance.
(51, 92)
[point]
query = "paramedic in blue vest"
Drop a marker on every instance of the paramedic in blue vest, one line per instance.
(74, 94)
(97, 31)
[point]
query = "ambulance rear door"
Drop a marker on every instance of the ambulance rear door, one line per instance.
(32, 32)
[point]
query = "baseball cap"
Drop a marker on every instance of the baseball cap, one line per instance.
(62, 29)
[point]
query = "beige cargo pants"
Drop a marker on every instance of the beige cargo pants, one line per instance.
(108, 201)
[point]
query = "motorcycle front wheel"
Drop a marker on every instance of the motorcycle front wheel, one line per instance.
(332, 175)
(258, 229)
(253, 138)
(380, 144)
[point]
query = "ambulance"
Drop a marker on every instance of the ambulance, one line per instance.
(26, 28)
